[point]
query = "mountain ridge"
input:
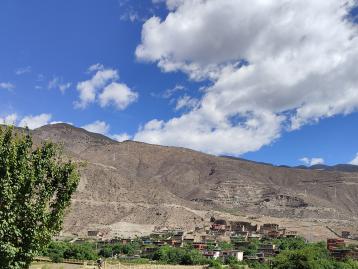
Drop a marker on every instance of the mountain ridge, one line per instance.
(152, 185)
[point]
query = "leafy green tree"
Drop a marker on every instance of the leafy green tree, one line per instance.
(184, 256)
(117, 248)
(191, 257)
(217, 264)
(36, 186)
(84, 251)
(55, 250)
(225, 245)
(131, 248)
(252, 248)
(311, 256)
(211, 246)
(290, 243)
(106, 251)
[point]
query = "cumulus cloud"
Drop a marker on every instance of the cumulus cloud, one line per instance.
(121, 137)
(33, 122)
(119, 94)
(312, 161)
(88, 89)
(355, 160)
(104, 88)
(99, 127)
(9, 119)
(30, 121)
(186, 102)
(274, 66)
(7, 86)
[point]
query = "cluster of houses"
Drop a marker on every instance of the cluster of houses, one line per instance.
(207, 239)
(239, 234)
(338, 249)
(248, 231)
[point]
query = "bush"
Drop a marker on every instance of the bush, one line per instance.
(84, 251)
(184, 256)
(57, 251)
(215, 264)
(309, 256)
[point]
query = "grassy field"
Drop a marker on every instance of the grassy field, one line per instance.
(54, 266)
(43, 265)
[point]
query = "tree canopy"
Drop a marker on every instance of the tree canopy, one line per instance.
(36, 185)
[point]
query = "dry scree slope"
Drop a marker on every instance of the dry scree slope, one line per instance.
(132, 182)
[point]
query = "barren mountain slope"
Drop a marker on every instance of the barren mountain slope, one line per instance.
(156, 185)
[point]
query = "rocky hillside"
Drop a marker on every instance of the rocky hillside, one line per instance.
(132, 182)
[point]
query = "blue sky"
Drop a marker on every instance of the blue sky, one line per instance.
(163, 77)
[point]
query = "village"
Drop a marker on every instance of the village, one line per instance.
(223, 240)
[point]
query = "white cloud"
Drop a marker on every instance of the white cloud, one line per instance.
(131, 16)
(34, 122)
(57, 83)
(53, 83)
(95, 67)
(312, 161)
(64, 87)
(169, 92)
(23, 70)
(7, 86)
(121, 137)
(119, 94)
(355, 160)
(186, 102)
(88, 89)
(209, 131)
(104, 88)
(30, 121)
(274, 66)
(57, 122)
(171, 4)
(99, 127)
(9, 119)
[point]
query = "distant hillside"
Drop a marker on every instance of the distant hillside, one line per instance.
(132, 182)
(337, 167)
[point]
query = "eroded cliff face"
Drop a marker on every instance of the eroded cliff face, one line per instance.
(139, 183)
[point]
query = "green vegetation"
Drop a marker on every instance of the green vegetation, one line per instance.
(36, 186)
(295, 253)
(225, 245)
(252, 247)
(291, 243)
(310, 256)
(118, 249)
(57, 251)
(183, 256)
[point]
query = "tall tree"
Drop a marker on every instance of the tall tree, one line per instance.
(36, 185)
